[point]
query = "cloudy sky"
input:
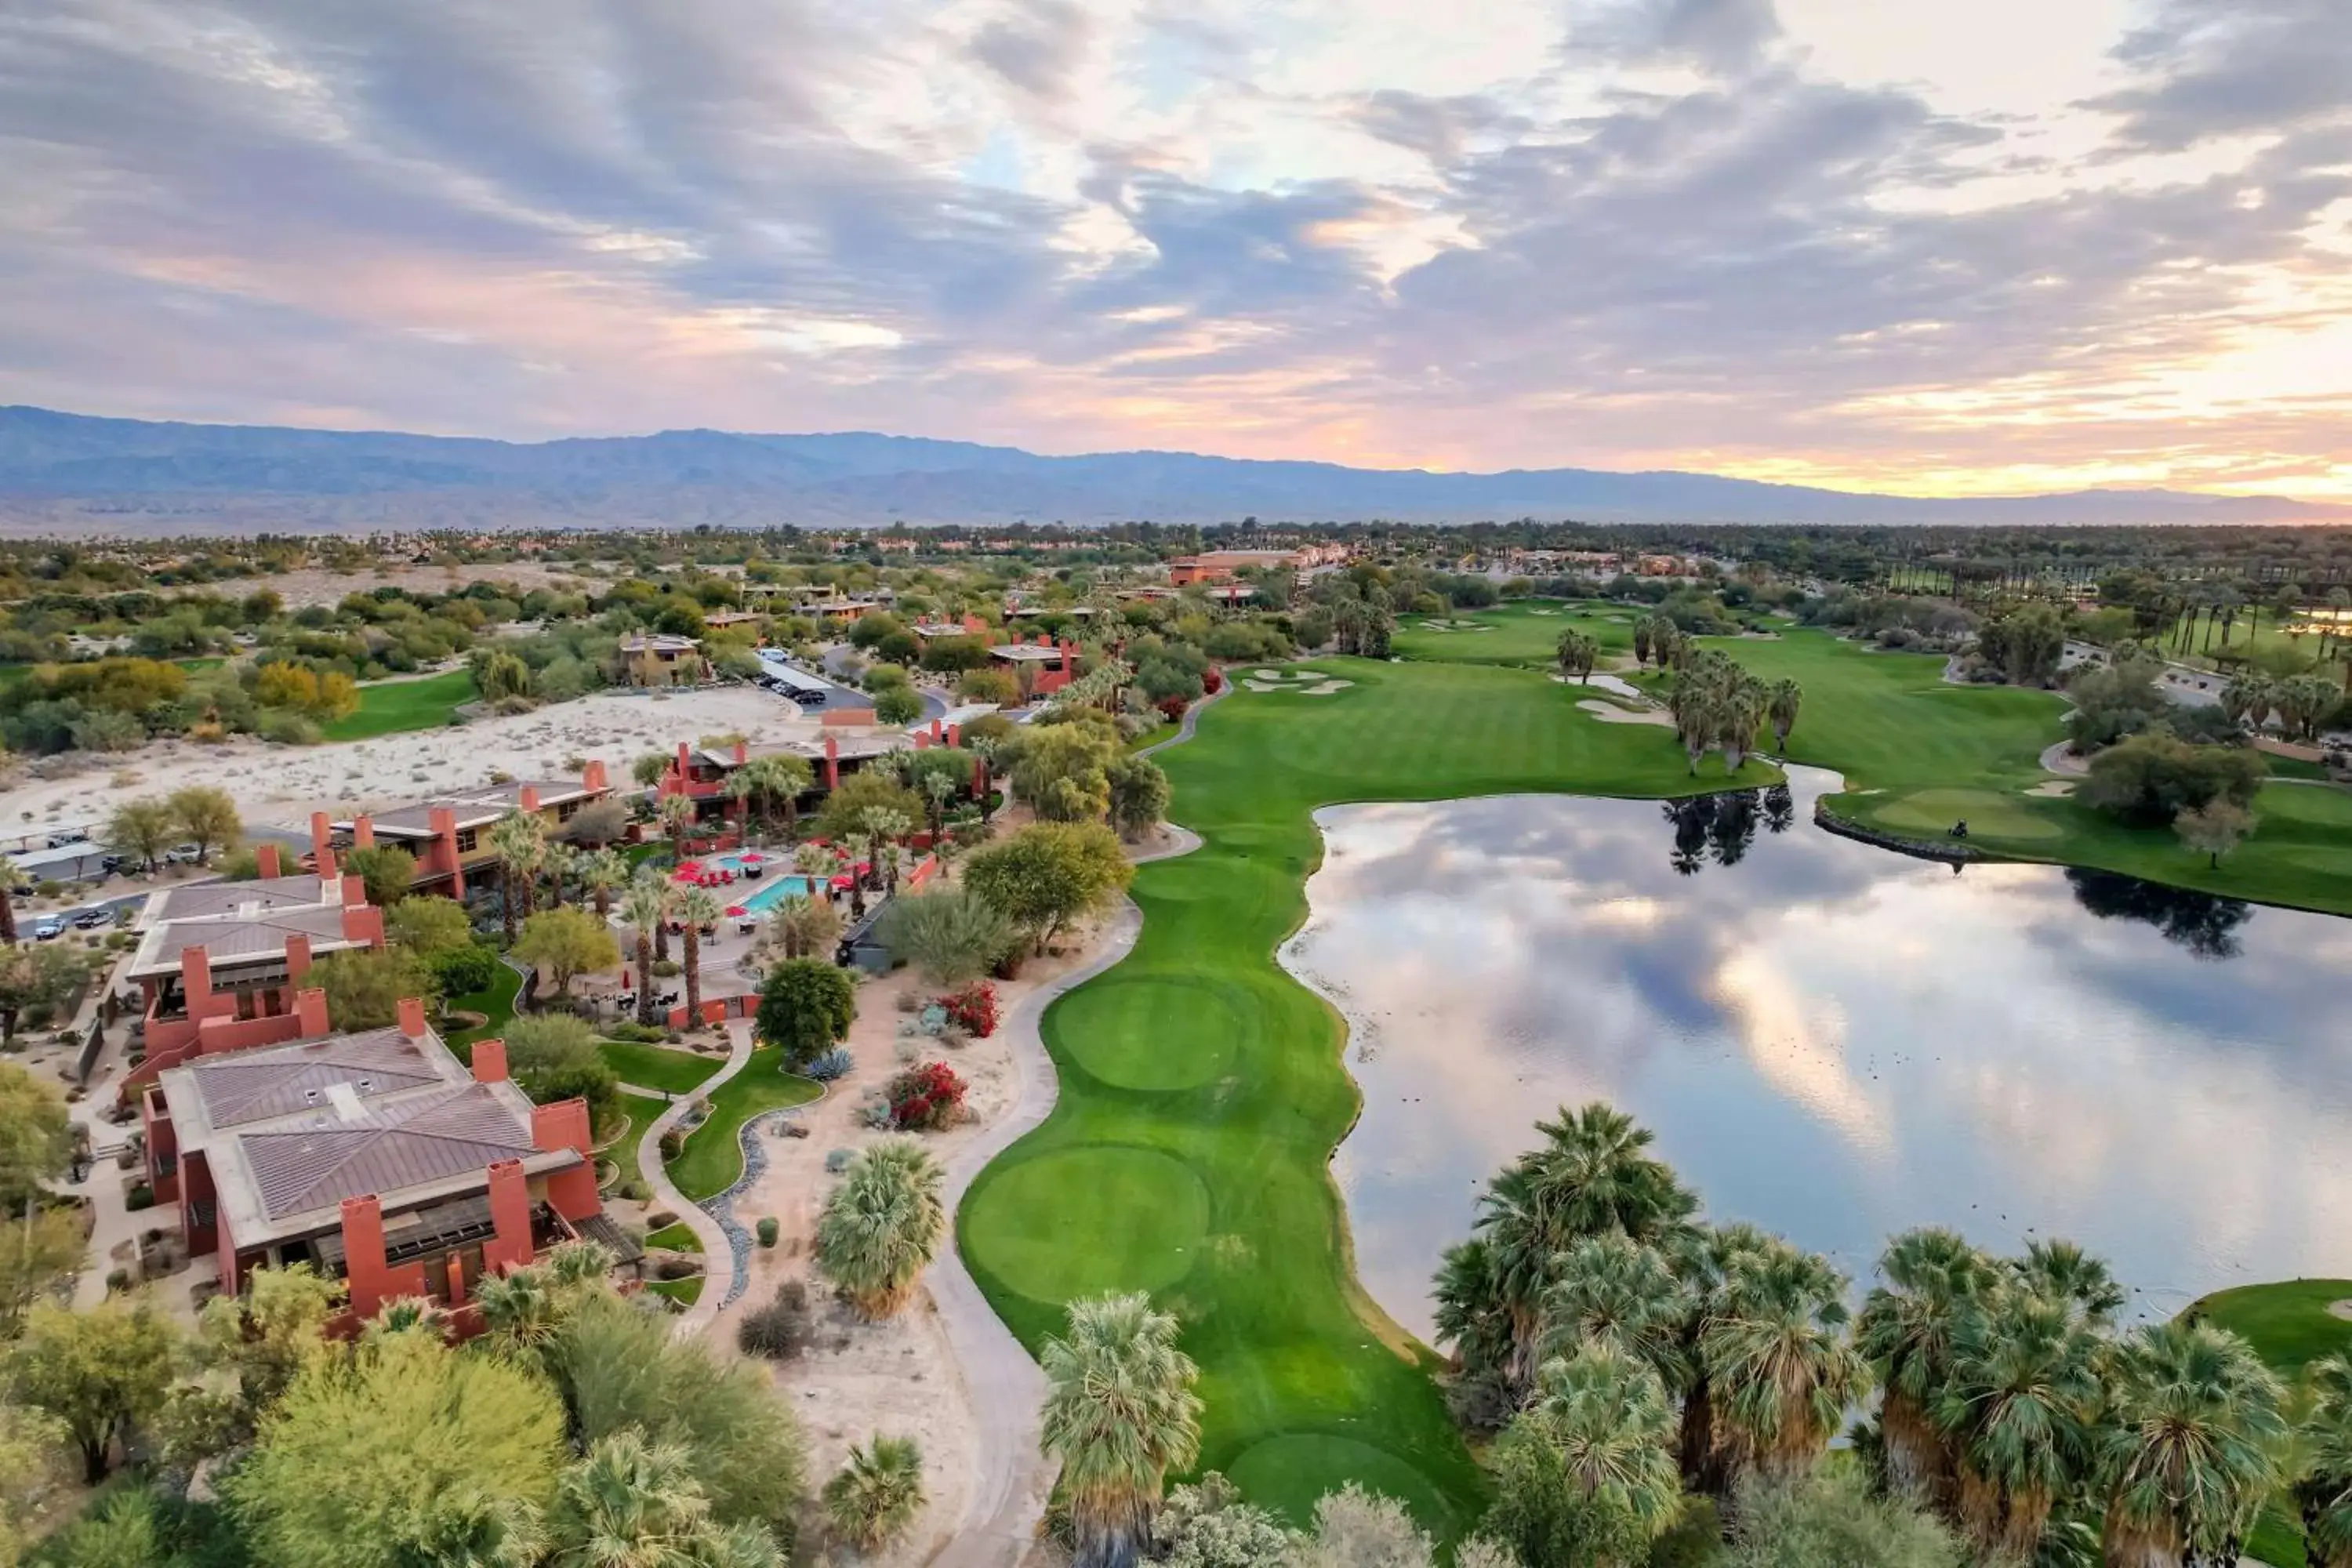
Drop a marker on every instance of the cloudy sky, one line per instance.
(1926, 245)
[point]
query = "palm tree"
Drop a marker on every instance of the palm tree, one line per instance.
(518, 839)
(678, 815)
(519, 1309)
(557, 863)
(1781, 706)
(938, 789)
(1744, 706)
(1933, 1278)
(883, 826)
(2191, 1446)
(600, 873)
(1616, 1294)
(2023, 1382)
(805, 927)
(1119, 1414)
(778, 781)
(881, 1226)
(2324, 1490)
(820, 864)
(406, 1315)
(2065, 1273)
(877, 1493)
(696, 908)
(631, 1502)
(1576, 653)
(1605, 1418)
(742, 786)
(1780, 1366)
(645, 907)
(1591, 1176)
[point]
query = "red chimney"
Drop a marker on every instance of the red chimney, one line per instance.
(530, 800)
(412, 1017)
(363, 832)
(297, 957)
(311, 1011)
(490, 1061)
(832, 762)
(319, 835)
(265, 861)
(593, 777)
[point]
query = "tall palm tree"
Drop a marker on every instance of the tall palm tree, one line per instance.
(881, 1226)
(805, 927)
(518, 839)
(778, 782)
(557, 863)
(1933, 1278)
(1781, 706)
(601, 872)
(695, 908)
(1779, 1362)
(2191, 1446)
(645, 906)
(1617, 1294)
(878, 1492)
(520, 1311)
(678, 815)
(1745, 705)
(1593, 1175)
(1576, 654)
(631, 1502)
(1119, 1414)
(2325, 1489)
(742, 787)
(2065, 1273)
(1604, 1419)
(2022, 1386)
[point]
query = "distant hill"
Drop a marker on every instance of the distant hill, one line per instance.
(72, 473)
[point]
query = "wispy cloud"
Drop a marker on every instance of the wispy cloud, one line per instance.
(1617, 232)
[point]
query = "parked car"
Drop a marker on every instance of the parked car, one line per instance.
(810, 699)
(93, 919)
(182, 854)
(50, 929)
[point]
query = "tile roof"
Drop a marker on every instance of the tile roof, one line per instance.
(232, 938)
(255, 1085)
(336, 1154)
(195, 899)
(472, 808)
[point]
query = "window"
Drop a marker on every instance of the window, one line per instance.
(568, 810)
(467, 838)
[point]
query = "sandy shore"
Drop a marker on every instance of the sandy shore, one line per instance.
(280, 786)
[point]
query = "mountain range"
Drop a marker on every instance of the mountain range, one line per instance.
(74, 473)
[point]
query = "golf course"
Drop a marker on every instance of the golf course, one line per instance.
(1203, 1090)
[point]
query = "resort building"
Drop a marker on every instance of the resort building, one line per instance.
(376, 1157)
(720, 620)
(450, 835)
(1042, 668)
(701, 773)
(662, 658)
(221, 965)
(971, 626)
(1222, 565)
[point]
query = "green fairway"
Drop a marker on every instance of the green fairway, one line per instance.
(713, 1156)
(1523, 632)
(1202, 1091)
(388, 708)
(659, 1066)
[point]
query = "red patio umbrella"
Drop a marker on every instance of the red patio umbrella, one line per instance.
(736, 911)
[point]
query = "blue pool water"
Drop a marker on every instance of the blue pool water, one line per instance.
(763, 893)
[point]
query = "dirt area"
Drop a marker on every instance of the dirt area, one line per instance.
(280, 786)
(898, 1377)
(314, 586)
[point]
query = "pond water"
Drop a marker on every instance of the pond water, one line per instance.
(1831, 1040)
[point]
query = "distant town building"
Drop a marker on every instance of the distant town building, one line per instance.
(662, 658)
(449, 835)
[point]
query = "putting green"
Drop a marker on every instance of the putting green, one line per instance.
(1110, 1031)
(1163, 1209)
(1299, 1465)
(1991, 815)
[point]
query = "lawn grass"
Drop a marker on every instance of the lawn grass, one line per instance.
(659, 1066)
(643, 1111)
(713, 1156)
(677, 1236)
(2290, 1327)
(685, 1292)
(1202, 1091)
(497, 1005)
(388, 708)
(1522, 632)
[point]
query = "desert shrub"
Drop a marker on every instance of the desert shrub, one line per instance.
(972, 1009)
(768, 1230)
(779, 1329)
(926, 1098)
(835, 1063)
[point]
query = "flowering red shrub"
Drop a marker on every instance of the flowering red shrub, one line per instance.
(1172, 708)
(925, 1098)
(972, 1009)
(1212, 681)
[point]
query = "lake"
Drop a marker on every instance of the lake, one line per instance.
(1831, 1040)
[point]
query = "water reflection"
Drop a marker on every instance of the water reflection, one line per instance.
(1831, 1040)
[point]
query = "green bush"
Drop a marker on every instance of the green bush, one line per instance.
(2149, 779)
(768, 1230)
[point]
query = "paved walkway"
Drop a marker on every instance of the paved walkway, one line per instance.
(695, 1319)
(1001, 1383)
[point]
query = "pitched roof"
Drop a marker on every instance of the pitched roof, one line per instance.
(195, 899)
(337, 1154)
(255, 1085)
(234, 938)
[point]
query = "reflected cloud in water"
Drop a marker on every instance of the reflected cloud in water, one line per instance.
(1831, 1040)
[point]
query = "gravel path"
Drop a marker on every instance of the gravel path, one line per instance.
(716, 1243)
(1000, 1381)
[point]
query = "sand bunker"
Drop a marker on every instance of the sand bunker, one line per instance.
(1609, 714)
(1305, 682)
(2053, 789)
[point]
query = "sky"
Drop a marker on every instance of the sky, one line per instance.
(1927, 246)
